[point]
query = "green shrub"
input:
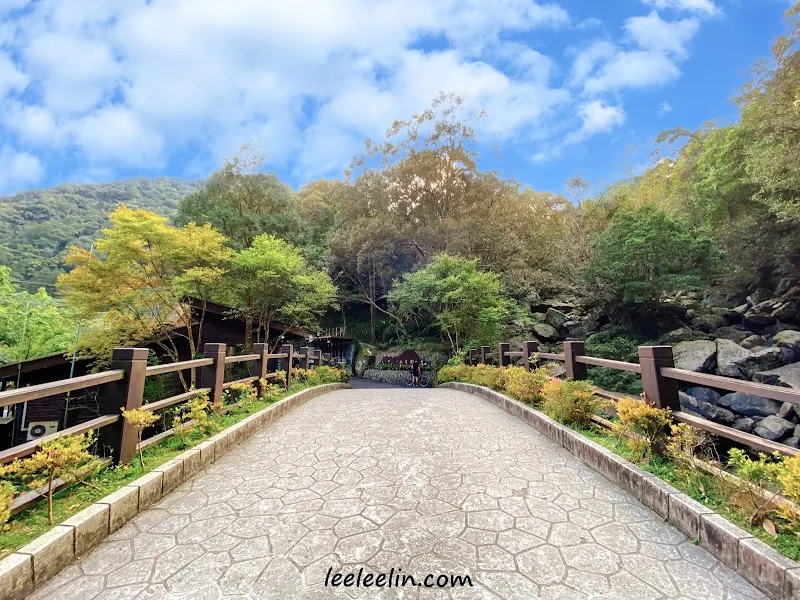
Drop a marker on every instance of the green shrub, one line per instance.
(460, 372)
(570, 402)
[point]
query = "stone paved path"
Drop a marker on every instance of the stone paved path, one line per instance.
(430, 481)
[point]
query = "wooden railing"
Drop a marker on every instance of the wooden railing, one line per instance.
(659, 381)
(125, 389)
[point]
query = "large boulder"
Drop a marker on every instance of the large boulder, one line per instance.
(750, 405)
(706, 409)
(728, 356)
(760, 315)
(555, 318)
(760, 360)
(752, 341)
(787, 339)
(709, 323)
(745, 424)
(675, 336)
(773, 428)
(697, 355)
(704, 394)
(584, 329)
(785, 376)
(732, 333)
(543, 330)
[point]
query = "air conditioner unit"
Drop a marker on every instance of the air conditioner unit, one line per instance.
(39, 429)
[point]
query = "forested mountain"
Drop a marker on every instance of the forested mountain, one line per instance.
(37, 226)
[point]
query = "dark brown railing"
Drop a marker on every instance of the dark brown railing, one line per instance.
(125, 389)
(659, 380)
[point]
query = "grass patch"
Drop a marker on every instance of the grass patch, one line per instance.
(33, 522)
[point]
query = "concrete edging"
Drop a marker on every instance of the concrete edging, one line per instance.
(36, 562)
(774, 574)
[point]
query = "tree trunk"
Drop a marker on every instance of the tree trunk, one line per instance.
(248, 334)
(372, 306)
(50, 498)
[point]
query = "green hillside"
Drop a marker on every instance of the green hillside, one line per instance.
(37, 226)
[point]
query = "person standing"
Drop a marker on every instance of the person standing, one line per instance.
(416, 370)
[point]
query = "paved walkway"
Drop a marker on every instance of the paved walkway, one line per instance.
(427, 481)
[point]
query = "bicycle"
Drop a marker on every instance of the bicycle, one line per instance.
(408, 380)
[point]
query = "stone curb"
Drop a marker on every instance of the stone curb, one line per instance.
(774, 574)
(36, 562)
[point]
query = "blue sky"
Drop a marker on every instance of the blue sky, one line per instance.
(95, 90)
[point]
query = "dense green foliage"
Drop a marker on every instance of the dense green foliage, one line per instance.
(466, 304)
(31, 324)
(36, 227)
(644, 255)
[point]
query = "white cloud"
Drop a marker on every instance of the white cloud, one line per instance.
(18, 169)
(654, 33)
(636, 69)
(664, 109)
(141, 82)
(116, 134)
(705, 7)
(588, 59)
(11, 78)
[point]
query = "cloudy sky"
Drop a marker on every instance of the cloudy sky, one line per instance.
(94, 90)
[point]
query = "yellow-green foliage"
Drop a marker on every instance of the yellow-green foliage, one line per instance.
(758, 497)
(487, 376)
(571, 402)
(526, 386)
(455, 373)
(789, 479)
(241, 393)
(321, 375)
(645, 421)
(66, 457)
(182, 428)
(687, 447)
(269, 391)
(7, 492)
(140, 419)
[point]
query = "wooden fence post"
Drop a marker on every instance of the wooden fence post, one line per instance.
(305, 351)
(471, 356)
(128, 394)
(529, 349)
(572, 350)
(658, 390)
(502, 359)
(288, 349)
(258, 368)
(485, 351)
(213, 375)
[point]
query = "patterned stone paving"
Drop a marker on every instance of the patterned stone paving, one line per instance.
(430, 481)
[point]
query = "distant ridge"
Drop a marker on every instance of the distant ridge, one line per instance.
(36, 226)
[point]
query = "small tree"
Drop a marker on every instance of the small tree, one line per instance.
(66, 457)
(463, 302)
(140, 419)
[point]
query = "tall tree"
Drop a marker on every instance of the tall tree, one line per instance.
(243, 201)
(138, 283)
(272, 280)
